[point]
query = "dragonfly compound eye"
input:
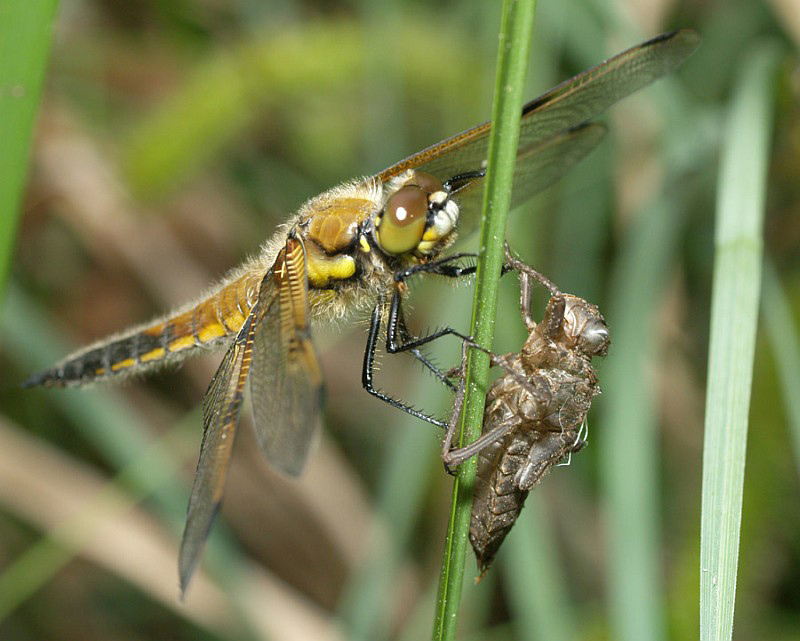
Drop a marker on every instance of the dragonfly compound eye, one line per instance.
(402, 224)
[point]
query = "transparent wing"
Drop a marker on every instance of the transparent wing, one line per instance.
(567, 105)
(285, 378)
(561, 109)
(538, 166)
(221, 407)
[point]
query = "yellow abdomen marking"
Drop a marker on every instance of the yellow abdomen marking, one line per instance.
(181, 343)
(220, 315)
(153, 355)
(128, 362)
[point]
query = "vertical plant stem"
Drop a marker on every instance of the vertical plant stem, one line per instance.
(25, 36)
(734, 315)
(512, 65)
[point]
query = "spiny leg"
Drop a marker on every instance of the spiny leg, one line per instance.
(368, 370)
(399, 338)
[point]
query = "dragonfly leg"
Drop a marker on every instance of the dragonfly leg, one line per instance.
(458, 455)
(447, 267)
(447, 442)
(527, 275)
(452, 456)
(368, 370)
(400, 339)
(416, 352)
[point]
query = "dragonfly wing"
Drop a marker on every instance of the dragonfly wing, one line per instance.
(221, 407)
(550, 117)
(591, 92)
(538, 166)
(567, 105)
(286, 379)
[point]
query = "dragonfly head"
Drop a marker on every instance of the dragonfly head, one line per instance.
(418, 217)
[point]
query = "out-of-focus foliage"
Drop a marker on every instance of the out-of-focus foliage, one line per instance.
(173, 137)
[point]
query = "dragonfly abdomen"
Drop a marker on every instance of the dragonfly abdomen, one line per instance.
(162, 341)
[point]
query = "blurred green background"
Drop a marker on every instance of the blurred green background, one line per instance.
(173, 138)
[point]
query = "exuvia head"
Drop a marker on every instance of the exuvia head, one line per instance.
(584, 327)
(419, 215)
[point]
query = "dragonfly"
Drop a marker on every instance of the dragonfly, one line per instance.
(535, 411)
(350, 248)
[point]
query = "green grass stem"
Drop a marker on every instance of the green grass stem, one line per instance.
(514, 53)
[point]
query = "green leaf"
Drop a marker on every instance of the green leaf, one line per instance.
(26, 28)
(734, 316)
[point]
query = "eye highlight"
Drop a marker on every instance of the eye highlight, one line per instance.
(402, 223)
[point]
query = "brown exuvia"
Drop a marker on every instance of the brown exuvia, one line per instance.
(535, 412)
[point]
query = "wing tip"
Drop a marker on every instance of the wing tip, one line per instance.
(187, 565)
(191, 550)
(687, 37)
(292, 466)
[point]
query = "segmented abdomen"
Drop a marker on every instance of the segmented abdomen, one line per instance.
(220, 315)
(546, 416)
(497, 499)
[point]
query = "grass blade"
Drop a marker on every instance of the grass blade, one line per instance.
(734, 315)
(25, 37)
(512, 65)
